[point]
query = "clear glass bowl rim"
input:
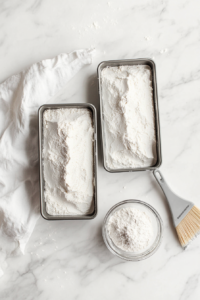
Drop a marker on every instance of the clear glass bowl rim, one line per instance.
(158, 238)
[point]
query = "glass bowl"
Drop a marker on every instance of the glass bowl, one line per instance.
(157, 230)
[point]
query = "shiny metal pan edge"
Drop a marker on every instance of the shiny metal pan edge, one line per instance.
(139, 61)
(43, 212)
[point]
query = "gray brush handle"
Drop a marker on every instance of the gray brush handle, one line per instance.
(178, 206)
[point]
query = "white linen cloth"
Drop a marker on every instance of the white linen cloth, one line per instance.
(20, 97)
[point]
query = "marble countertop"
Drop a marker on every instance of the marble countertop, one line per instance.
(68, 259)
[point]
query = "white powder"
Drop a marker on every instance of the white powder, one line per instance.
(130, 229)
(128, 111)
(68, 161)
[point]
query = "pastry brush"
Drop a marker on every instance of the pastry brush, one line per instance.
(185, 214)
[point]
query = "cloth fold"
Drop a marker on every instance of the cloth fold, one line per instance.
(20, 97)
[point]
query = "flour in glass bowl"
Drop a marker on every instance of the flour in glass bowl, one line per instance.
(130, 229)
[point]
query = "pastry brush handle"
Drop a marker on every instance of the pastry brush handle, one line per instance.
(164, 186)
(179, 207)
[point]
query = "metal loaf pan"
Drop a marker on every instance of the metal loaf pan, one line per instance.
(130, 62)
(44, 214)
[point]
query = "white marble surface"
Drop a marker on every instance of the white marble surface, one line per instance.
(68, 259)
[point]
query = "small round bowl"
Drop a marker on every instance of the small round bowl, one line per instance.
(157, 230)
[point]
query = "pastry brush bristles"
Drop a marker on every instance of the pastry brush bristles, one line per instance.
(189, 227)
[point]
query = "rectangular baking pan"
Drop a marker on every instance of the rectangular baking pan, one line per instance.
(41, 110)
(130, 62)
